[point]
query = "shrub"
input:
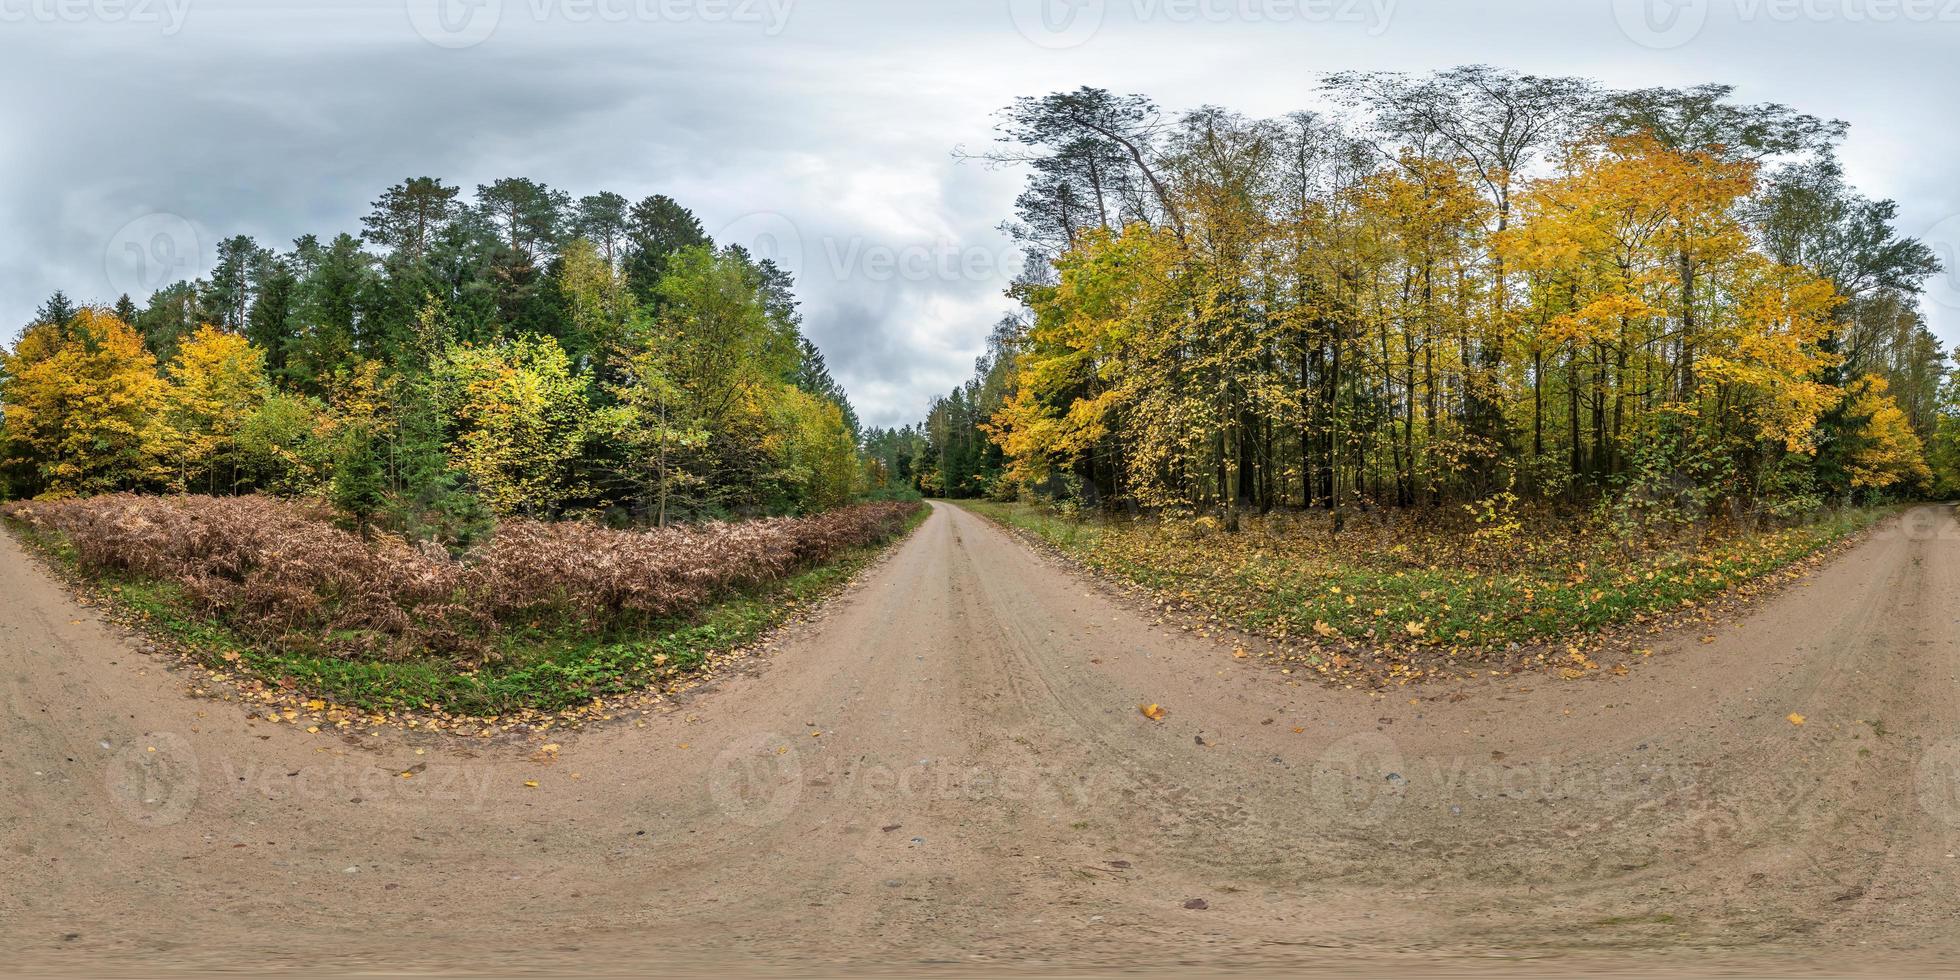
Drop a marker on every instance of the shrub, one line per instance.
(283, 573)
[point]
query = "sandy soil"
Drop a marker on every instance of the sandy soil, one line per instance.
(947, 771)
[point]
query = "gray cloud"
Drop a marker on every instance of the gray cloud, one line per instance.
(829, 122)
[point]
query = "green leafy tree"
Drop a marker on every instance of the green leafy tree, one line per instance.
(279, 448)
(520, 412)
(660, 435)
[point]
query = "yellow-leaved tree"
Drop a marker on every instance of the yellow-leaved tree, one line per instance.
(217, 384)
(82, 406)
(816, 456)
(521, 413)
(1087, 362)
(1760, 363)
(1885, 451)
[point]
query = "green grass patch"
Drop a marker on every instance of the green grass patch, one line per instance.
(1075, 533)
(1412, 584)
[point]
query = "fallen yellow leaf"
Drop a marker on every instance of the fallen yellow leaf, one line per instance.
(1154, 712)
(1796, 719)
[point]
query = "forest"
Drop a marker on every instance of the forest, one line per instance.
(519, 354)
(1470, 288)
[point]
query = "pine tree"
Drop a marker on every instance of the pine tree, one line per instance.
(57, 311)
(359, 483)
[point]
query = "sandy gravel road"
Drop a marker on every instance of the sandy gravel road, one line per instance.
(947, 771)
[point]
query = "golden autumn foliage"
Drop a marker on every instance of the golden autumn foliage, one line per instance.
(813, 448)
(1762, 362)
(510, 425)
(217, 384)
(1089, 350)
(87, 410)
(1381, 334)
(84, 406)
(522, 415)
(1886, 452)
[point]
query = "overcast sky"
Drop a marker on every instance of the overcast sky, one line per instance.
(139, 132)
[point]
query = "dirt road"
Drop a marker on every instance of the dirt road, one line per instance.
(947, 770)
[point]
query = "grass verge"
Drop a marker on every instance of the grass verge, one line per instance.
(1417, 598)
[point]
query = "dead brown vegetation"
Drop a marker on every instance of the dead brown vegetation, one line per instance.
(281, 572)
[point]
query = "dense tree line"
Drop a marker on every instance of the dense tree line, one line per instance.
(522, 352)
(950, 453)
(1453, 287)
